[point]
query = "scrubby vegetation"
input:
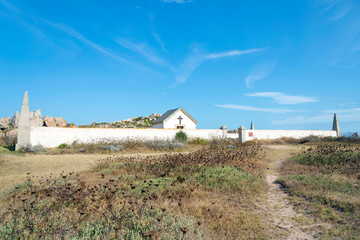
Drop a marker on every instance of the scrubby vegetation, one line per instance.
(325, 181)
(181, 136)
(204, 194)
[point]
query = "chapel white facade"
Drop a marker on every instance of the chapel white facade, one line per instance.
(176, 118)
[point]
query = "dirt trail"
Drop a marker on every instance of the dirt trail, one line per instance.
(278, 206)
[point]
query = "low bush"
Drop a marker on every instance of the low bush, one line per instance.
(310, 138)
(62, 146)
(165, 145)
(200, 141)
(33, 149)
(181, 136)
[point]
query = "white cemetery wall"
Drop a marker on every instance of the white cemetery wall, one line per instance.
(173, 121)
(248, 135)
(54, 136)
(232, 135)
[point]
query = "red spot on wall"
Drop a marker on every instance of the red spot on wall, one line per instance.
(251, 134)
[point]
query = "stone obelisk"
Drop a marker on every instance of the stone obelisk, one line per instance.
(24, 125)
(336, 126)
(252, 126)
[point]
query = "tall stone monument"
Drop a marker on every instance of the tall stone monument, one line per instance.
(336, 126)
(24, 125)
(252, 126)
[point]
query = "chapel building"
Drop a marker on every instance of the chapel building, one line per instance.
(176, 118)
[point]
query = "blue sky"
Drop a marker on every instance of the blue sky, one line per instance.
(282, 64)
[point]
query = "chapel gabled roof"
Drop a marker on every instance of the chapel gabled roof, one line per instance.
(169, 113)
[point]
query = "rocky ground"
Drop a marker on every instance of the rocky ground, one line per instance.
(9, 125)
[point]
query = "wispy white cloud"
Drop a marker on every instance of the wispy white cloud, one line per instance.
(182, 70)
(344, 115)
(343, 16)
(159, 40)
(145, 50)
(196, 58)
(29, 22)
(282, 98)
(233, 53)
(9, 6)
(259, 72)
(255, 109)
(157, 36)
(84, 40)
(335, 10)
(341, 12)
(177, 1)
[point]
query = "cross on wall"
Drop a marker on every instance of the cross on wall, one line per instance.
(180, 118)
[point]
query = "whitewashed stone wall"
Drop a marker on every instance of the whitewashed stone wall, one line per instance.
(248, 135)
(53, 137)
(232, 135)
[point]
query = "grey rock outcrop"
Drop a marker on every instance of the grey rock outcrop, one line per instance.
(60, 122)
(11, 136)
(37, 122)
(36, 148)
(36, 114)
(5, 122)
(49, 121)
(15, 120)
(35, 118)
(82, 150)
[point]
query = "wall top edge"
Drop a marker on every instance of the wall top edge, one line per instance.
(120, 129)
(258, 130)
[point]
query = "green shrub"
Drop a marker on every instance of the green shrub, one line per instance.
(201, 141)
(181, 136)
(62, 146)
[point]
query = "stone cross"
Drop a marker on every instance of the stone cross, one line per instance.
(180, 118)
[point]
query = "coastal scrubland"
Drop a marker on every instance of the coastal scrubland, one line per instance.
(197, 190)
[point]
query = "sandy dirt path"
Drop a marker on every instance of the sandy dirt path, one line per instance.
(14, 168)
(279, 209)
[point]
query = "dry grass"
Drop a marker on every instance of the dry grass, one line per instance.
(207, 194)
(14, 168)
(325, 181)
